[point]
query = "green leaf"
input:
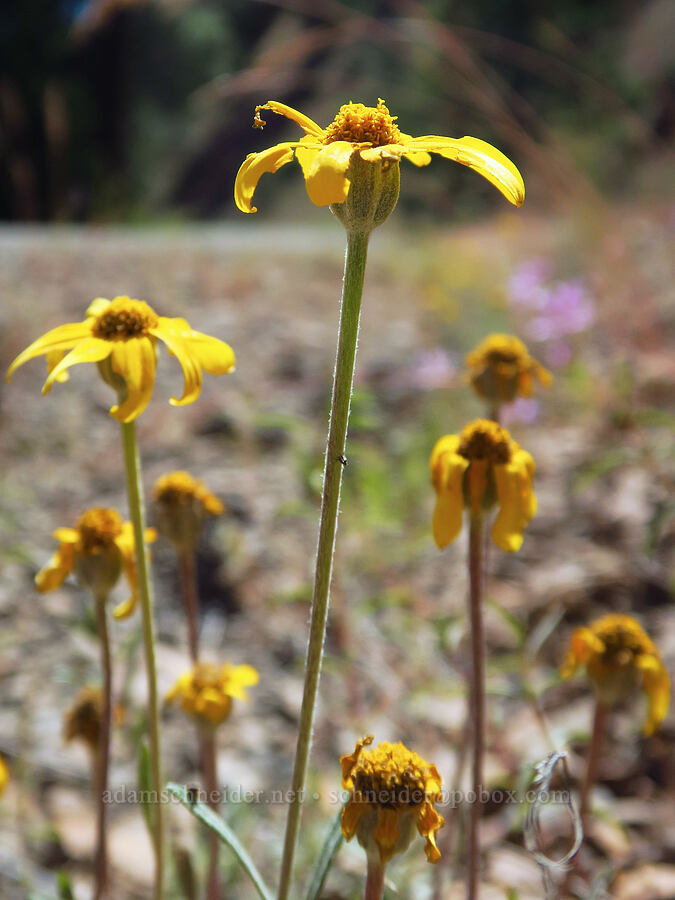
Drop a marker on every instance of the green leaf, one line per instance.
(331, 845)
(509, 619)
(226, 835)
(63, 887)
(145, 784)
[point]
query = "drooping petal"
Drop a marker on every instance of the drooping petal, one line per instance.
(656, 685)
(90, 349)
(517, 502)
(416, 157)
(352, 813)
(57, 569)
(213, 355)
(237, 678)
(447, 472)
(65, 337)
(308, 125)
(135, 360)
(349, 760)
(428, 823)
(479, 156)
(387, 833)
(326, 180)
(306, 152)
(254, 167)
(172, 332)
(54, 357)
(126, 545)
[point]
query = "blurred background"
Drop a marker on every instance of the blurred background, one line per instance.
(122, 126)
(140, 110)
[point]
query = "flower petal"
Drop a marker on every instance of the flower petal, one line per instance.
(387, 833)
(479, 156)
(416, 157)
(447, 472)
(213, 355)
(97, 306)
(57, 569)
(352, 813)
(65, 337)
(428, 823)
(326, 180)
(90, 349)
(517, 502)
(306, 152)
(656, 685)
(127, 547)
(254, 167)
(173, 333)
(135, 360)
(308, 125)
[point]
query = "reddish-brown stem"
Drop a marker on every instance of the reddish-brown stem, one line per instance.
(102, 762)
(210, 775)
(477, 698)
(374, 879)
(188, 581)
(594, 751)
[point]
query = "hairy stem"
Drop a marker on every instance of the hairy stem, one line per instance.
(352, 288)
(137, 513)
(102, 763)
(476, 546)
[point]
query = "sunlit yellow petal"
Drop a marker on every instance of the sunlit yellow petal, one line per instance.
(66, 535)
(54, 357)
(326, 180)
(428, 823)
(62, 338)
(416, 157)
(172, 333)
(306, 152)
(89, 349)
(656, 685)
(97, 306)
(482, 158)
(517, 502)
(57, 569)
(135, 360)
(447, 472)
(254, 167)
(307, 124)
(213, 355)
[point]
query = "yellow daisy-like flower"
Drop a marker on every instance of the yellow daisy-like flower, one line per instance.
(99, 547)
(4, 776)
(500, 368)
(392, 790)
(477, 469)
(325, 154)
(121, 336)
(619, 658)
(182, 503)
(207, 690)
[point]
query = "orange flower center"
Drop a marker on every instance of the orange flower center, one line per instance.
(622, 647)
(175, 488)
(389, 776)
(361, 124)
(124, 319)
(485, 440)
(98, 529)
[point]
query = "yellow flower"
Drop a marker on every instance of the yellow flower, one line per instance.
(121, 336)
(325, 154)
(182, 503)
(4, 775)
(619, 658)
(476, 469)
(392, 790)
(500, 368)
(97, 549)
(207, 690)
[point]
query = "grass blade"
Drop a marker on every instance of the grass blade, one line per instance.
(227, 836)
(330, 847)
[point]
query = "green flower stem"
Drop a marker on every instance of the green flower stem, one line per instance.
(137, 513)
(352, 288)
(476, 574)
(102, 759)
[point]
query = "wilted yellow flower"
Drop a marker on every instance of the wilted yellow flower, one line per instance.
(121, 336)
(207, 690)
(370, 134)
(477, 469)
(182, 504)
(392, 790)
(99, 547)
(619, 658)
(82, 719)
(4, 776)
(501, 368)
